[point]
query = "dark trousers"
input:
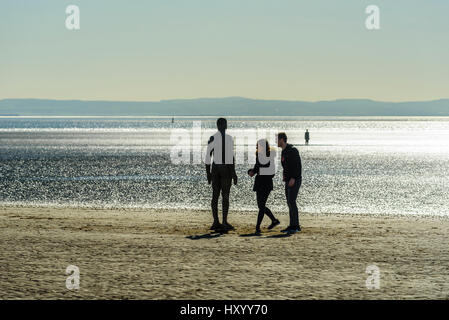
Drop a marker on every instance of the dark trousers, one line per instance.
(291, 193)
(262, 197)
(221, 183)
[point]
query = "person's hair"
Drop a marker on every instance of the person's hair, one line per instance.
(282, 135)
(267, 147)
(222, 124)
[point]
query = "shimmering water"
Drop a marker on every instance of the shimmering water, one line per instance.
(353, 165)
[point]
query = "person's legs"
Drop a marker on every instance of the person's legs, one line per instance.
(261, 201)
(274, 221)
(287, 198)
(216, 187)
(292, 194)
(264, 197)
(225, 190)
(270, 214)
(221, 183)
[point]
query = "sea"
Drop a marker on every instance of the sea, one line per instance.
(352, 165)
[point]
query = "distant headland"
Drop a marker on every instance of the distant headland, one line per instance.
(230, 106)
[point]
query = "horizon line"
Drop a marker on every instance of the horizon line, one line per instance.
(227, 97)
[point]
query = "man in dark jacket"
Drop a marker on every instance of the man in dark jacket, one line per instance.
(291, 163)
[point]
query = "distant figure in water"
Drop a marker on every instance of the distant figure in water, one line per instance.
(172, 120)
(307, 137)
(263, 184)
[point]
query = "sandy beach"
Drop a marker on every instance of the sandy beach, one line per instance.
(166, 254)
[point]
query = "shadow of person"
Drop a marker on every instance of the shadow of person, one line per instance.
(281, 235)
(246, 235)
(204, 236)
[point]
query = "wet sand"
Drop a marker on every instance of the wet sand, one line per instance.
(166, 254)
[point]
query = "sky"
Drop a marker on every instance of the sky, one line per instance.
(149, 50)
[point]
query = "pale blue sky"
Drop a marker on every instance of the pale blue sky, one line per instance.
(168, 49)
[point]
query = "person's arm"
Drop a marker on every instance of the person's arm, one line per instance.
(288, 169)
(208, 174)
(286, 165)
(209, 152)
(234, 174)
(255, 169)
(294, 163)
(294, 166)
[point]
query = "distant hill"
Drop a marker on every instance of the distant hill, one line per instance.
(232, 106)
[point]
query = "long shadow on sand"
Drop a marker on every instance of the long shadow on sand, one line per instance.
(246, 235)
(282, 235)
(213, 235)
(205, 236)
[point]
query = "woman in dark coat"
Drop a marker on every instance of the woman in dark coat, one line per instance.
(263, 184)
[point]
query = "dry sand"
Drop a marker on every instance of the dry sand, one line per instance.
(157, 254)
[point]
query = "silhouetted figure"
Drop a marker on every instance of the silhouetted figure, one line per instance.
(307, 137)
(221, 147)
(292, 175)
(172, 120)
(263, 183)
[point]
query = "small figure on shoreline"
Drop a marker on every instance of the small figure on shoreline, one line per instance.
(307, 137)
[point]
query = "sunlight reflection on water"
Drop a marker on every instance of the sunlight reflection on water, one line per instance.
(363, 166)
